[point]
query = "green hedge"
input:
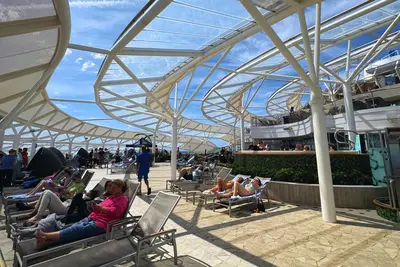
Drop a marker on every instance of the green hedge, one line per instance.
(387, 214)
(346, 169)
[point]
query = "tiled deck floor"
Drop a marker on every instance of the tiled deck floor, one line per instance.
(285, 235)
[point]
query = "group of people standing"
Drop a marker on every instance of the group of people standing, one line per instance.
(99, 157)
(11, 166)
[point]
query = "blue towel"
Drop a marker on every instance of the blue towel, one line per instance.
(23, 196)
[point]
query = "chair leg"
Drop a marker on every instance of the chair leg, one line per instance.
(230, 209)
(214, 204)
(175, 249)
(138, 254)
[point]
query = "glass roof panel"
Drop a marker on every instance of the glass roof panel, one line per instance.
(13, 10)
(143, 66)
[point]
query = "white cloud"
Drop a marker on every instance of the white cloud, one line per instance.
(88, 64)
(61, 106)
(97, 56)
(78, 60)
(68, 52)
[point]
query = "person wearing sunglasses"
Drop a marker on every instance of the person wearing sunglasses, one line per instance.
(242, 190)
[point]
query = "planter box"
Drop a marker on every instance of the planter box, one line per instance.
(346, 196)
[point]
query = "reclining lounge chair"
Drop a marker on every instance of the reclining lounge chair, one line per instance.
(206, 197)
(144, 236)
(177, 185)
(10, 209)
(18, 232)
(26, 253)
(229, 202)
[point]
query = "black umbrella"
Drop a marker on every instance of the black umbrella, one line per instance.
(44, 163)
(59, 154)
(83, 153)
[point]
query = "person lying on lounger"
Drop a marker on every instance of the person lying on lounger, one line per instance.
(242, 190)
(50, 201)
(223, 185)
(49, 184)
(112, 208)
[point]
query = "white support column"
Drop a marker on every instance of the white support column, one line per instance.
(234, 138)
(242, 132)
(318, 115)
(174, 145)
(1, 139)
(320, 133)
(33, 147)
(70, 147)
(153, 143)
(87, 145)
(53, 141)
(348, 100)
(16, 141)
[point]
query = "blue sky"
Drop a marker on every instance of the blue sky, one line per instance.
(98, 23)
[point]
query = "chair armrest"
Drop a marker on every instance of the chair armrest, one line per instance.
(123, 221)
(157, 234)
(111, 226)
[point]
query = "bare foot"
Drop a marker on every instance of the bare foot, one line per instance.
(33, 219)
(41, 240)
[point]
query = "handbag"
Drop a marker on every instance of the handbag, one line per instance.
(260, 205)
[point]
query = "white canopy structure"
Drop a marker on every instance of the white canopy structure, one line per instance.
(189, 72)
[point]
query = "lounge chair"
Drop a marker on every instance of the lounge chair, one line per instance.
(12, 199)
(206, 197)
(9, 205)
(26, 253)
(229, 202)
(176, 185)
(142, 237)
(10, 191)
(18, 232)
(123, 166)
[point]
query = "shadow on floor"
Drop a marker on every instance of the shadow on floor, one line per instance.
(204, 233)
(364, 221)
(183, 261)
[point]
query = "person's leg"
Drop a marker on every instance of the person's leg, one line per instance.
(35, 203)
(240, 190)
(8, 177)
(49, 201)
(182, 173)
(37, 188)
(83, 229)
(221, 185)
(146, 181)
(75, 203)
(2, 174)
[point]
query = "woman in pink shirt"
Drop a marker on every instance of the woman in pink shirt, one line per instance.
(112, 208)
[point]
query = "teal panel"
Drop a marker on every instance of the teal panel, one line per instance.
(377, 164)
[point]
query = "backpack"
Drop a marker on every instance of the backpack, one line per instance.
(31, 183)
